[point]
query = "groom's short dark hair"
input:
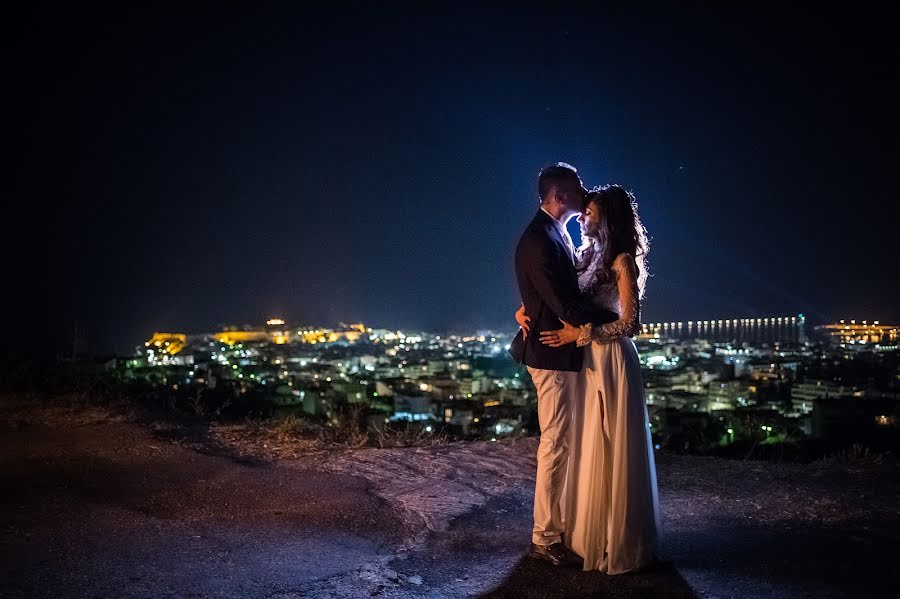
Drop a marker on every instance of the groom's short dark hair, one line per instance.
(552, 176)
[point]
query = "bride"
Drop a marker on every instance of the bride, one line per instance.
(612, 517)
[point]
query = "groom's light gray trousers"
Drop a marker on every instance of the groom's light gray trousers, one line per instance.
(555, 390)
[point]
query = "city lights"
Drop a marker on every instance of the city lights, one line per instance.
(695, 371)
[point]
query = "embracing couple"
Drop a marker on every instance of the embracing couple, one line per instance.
(596, 501)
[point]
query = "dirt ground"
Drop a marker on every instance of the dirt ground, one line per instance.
(99, 506)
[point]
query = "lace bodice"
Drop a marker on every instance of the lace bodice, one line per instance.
(615, 289)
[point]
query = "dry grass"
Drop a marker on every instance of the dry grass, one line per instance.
(291, 436)
(268, 439)
(404, 436)
(288, 436)
(856, 456)
(65, 410)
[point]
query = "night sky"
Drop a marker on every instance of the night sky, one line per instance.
(176, 171)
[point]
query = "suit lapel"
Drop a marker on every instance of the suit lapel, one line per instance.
(546, 222)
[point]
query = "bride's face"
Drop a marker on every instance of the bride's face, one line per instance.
(590, 220)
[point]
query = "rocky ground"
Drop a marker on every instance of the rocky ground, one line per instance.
(96, 505)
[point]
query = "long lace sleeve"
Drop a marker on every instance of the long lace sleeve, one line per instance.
(629, 322)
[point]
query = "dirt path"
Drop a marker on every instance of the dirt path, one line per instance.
(107, 510)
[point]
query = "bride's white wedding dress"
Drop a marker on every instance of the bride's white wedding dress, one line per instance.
(612, 517)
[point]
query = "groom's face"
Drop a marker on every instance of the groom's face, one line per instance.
(571, 195)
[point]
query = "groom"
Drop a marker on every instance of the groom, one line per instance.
(548, 284)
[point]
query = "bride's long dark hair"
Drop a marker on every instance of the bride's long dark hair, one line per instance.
(621, 230)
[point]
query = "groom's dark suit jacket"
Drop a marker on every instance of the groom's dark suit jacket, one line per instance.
(548, 285)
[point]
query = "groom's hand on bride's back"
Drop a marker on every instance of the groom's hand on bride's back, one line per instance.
(568, 334)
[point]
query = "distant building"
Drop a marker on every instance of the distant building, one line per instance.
(728, 395)
(412, 407)
(862, 333)
(276, 331)
(764, 370)
(458, 413)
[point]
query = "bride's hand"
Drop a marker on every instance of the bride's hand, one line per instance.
(524, 321)
(568, 334)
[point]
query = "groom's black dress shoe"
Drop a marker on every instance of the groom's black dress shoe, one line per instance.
(557, 554)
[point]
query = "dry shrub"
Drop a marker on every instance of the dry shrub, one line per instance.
(348, 427)
(407, 436)
(857, 455)
(290, 427)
